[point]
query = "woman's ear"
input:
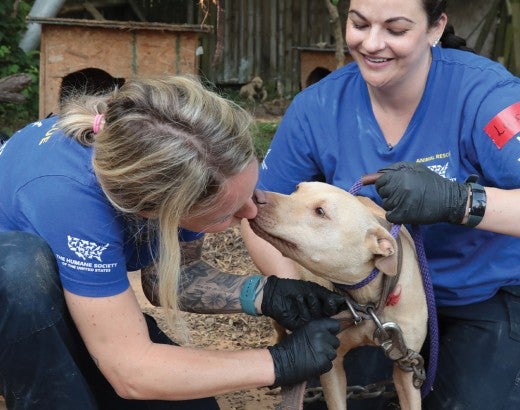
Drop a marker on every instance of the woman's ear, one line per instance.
(437, 29)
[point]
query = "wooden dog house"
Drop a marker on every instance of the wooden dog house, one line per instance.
(316, 63)
(71, 48)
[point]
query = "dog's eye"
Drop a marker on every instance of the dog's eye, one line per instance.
(320, 211)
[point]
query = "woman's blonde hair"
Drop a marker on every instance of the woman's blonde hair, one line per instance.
(166, 147)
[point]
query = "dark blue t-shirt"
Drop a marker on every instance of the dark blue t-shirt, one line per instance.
(48, 187)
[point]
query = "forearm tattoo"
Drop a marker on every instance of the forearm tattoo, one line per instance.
(202, 287)
(190, 252)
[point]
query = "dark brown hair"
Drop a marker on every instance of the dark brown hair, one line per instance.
(434, 10)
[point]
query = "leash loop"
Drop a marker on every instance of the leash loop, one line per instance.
(357, 319)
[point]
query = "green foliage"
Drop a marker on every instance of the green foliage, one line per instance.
(263, 133)
(14, 60)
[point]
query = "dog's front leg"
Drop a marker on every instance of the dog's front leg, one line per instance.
(334, 384)
(409, 396)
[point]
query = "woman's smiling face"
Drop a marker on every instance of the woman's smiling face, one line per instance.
(390, 39)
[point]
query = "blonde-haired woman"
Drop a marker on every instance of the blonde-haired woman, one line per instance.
(120, 182)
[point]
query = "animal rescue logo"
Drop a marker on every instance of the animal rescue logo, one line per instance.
(88, 253)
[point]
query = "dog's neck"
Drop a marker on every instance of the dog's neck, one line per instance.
(377, 290)
(369, 293)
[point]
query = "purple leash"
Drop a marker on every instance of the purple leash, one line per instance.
(428, 289)
(432, 311)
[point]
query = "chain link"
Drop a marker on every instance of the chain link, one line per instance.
(384, 388)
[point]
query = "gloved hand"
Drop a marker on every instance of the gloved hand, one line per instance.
(414, 194)
(305, 353)
(293, 303)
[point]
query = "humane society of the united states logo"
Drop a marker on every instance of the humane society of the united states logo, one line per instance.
(85, 249)
(88, 253)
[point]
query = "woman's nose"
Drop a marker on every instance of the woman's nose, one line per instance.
(374, 41)
(248, 211)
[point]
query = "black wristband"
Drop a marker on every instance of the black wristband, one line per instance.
(477, 206)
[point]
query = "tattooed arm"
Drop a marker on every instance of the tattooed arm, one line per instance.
(203, 288)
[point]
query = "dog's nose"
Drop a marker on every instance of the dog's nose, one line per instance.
(259, 197)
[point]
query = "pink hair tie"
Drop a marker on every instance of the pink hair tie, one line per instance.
(96, 125)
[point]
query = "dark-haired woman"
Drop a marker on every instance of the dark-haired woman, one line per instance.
(416, 94)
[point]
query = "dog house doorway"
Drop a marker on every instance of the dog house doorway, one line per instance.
(90, 81)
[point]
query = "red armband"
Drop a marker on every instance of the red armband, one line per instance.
(504, 126)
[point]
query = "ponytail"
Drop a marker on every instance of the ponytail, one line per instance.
(450, 40)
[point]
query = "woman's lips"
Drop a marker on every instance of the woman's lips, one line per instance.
(376, 62)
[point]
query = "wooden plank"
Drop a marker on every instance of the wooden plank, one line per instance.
(121, 25)
(265, 42)
(515, 40)
(250, 30)
(273, 35)
(258, 69)
(228, 52)
(304, 23)
(281, 43)
(289, 62)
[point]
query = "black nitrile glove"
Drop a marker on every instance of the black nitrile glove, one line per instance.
(305, 353)
(293, 303)
(414, 194)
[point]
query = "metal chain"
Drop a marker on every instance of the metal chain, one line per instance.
(384, 388)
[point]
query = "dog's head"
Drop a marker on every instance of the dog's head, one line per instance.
(327, 230)
(257, 83)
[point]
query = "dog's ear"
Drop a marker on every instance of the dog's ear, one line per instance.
(384, 247)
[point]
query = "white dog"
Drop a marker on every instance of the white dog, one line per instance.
(341, 239)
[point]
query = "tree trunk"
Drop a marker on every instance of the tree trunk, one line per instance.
(337, 31)
(11, 87)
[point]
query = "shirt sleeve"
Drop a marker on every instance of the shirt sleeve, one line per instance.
(82, 228)
(186, 235)
(496, 136)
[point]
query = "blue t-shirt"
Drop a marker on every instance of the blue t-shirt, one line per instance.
(467, 122)
(48, 187)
